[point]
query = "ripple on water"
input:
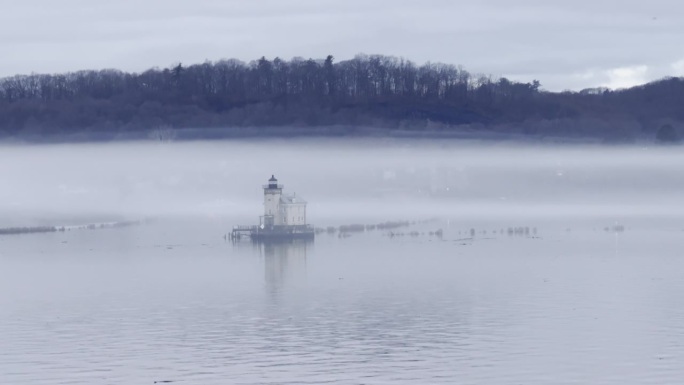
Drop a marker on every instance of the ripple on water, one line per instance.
(509, 317)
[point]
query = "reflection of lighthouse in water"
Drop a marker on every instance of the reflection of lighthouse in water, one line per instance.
(284, 262)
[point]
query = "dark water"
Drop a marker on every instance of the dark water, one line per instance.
(571, 302)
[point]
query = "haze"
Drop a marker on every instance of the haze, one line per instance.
(353, 179)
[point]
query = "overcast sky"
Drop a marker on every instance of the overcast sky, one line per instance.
(564, 44)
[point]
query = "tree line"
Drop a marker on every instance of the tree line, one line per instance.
(368, 90)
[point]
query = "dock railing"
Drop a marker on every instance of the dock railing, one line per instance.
(243, 228)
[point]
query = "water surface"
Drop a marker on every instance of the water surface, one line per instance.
(571, 302)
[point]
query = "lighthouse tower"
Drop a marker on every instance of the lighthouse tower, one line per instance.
(272, 193)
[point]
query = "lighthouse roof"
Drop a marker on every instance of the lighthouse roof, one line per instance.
(273, 179)
(287, 199)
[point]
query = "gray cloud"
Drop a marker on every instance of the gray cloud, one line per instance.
(566, 45)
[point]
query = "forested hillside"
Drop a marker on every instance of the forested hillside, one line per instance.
(371, 91)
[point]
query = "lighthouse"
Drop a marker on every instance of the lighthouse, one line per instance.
(284, 217)
(272, 194)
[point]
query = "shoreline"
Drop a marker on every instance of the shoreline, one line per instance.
(321, 132)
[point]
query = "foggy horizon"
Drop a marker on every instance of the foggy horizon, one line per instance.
(340, 178)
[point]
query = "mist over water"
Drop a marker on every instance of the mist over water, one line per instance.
(588, 292)
(353, 178)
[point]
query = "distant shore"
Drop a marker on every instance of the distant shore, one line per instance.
(370, 95)
(323, 132)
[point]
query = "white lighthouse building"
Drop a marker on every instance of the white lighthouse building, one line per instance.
(284, 217)
(282, 209)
